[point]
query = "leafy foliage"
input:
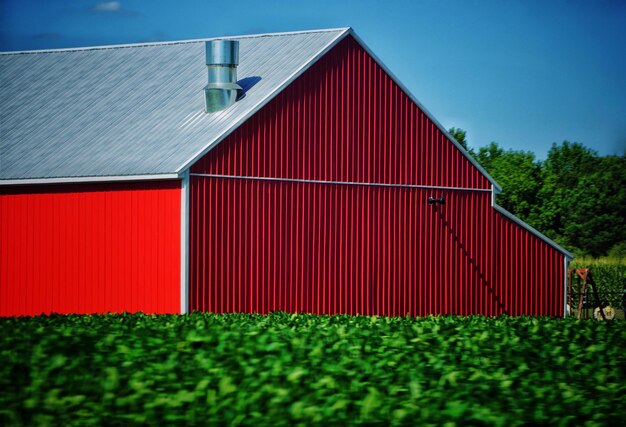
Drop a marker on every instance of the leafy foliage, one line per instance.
(574, 197)
(517, 172)
(618, 250)
(302, 369)
(609, 274)
(582, 199)
(460, 136)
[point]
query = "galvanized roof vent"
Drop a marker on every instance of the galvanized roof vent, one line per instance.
(222, 58)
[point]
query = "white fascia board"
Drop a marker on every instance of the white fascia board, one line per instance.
(87, 179)
(565, 267)
(184, 244)
(355, 183)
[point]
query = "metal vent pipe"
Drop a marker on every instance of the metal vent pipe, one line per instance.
(222, 58)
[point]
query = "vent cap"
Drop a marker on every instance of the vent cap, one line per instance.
(222, 58)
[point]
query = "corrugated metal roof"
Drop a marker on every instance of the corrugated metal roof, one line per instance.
(129, 112)
(132, 110)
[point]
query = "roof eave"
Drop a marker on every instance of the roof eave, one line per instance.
(532, 230)
(89, 179)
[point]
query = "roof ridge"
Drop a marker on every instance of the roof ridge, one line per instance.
(287, 33)
(167, 43)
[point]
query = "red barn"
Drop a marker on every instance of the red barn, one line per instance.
(324, 188)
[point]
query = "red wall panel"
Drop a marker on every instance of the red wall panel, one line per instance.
(344, 119)
(529, 272)
(90, 248)
(343, 245)
(261, 246)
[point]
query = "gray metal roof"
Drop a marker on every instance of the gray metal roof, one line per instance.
(132, 110)
(137, 111)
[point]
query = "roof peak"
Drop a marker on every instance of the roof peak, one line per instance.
(174, 42)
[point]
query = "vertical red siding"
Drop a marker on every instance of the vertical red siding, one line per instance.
(260, 246)
(343, 245)
(90, 248)
(529, 272)
(345, 120)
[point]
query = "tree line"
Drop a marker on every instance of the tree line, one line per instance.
(575, 197)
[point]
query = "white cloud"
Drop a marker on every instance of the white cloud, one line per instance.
(111, 8)
(108, 6)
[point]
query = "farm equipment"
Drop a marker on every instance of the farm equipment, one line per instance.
(585, 278)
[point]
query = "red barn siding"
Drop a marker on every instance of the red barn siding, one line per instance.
(530, 274)
(265, 245)
(345, 120)
(340, 245)
(261, 246)
(90, 248)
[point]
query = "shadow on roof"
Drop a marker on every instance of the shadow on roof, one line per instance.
(247, 84)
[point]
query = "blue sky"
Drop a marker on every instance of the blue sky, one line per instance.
(522, 73)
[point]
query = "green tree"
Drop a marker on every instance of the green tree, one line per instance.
(582, 198)
(575, 197)
(460, 136)
(517, 172)
(489, 155)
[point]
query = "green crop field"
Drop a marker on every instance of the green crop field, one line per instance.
(286, 369)
(608, 273)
